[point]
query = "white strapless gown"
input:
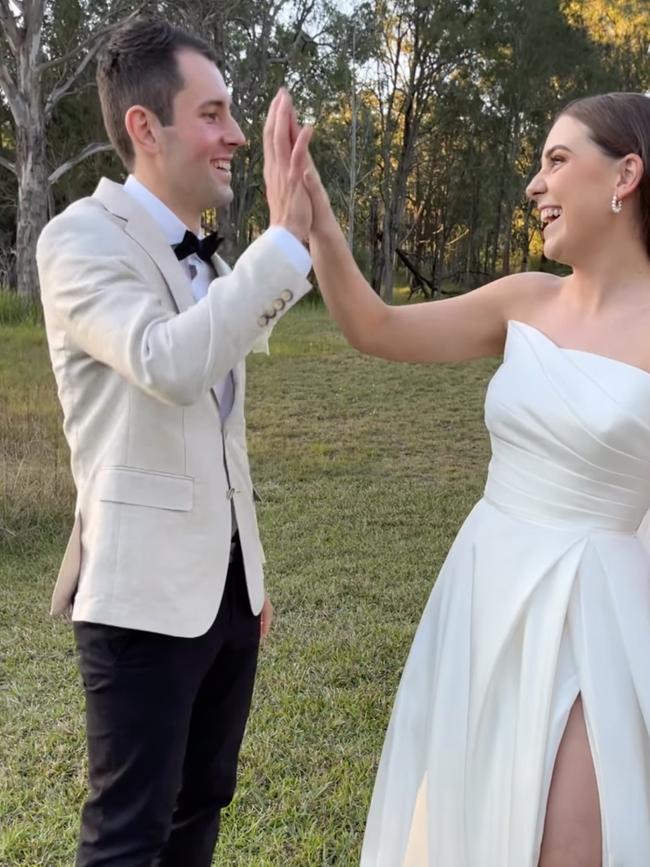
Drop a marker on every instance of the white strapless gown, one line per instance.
(545, 594)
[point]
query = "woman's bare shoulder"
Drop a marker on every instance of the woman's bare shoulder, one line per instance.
(528, 293)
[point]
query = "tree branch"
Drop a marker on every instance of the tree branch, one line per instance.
(7, 164)
(10, 90)
(95, 42)
(88, 151)
(103, 28)
(57, 94)
(64, 58)
(33, 13)
(9, 27)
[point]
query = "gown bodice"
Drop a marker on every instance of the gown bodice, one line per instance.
(570, 434)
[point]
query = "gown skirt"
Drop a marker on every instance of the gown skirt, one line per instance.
(544, 596)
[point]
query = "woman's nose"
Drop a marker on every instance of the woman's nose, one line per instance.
(536, 187)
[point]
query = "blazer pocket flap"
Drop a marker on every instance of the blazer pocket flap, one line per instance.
(144, 488)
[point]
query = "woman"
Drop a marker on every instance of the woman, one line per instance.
(520, 734)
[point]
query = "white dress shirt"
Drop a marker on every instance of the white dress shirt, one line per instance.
(200, 273)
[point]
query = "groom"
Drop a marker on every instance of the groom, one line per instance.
(148, 330)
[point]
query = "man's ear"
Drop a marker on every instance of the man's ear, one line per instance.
(143, 128)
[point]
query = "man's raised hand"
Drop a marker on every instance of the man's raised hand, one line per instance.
(286, 151)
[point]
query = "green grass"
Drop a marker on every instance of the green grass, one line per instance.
(15, 308)
(366, 470)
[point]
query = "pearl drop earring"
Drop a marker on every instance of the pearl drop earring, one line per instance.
(617, 204)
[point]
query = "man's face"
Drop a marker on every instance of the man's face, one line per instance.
(197, 149)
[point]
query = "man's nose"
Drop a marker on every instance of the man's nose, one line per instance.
(234, 136)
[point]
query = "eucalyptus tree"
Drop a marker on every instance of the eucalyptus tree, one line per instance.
(36, 75)
(620, 30)
(422, 45)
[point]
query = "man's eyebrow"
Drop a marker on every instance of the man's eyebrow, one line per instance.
(215, 103)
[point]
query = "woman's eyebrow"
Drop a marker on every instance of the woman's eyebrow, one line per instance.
(558, 147)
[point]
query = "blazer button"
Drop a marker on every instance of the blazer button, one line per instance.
(287, 295)
(262, 321)
(278, 304)
(270, 312)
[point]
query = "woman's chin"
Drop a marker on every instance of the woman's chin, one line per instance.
(555, 252)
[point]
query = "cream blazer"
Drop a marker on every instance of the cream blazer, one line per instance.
(135, 359)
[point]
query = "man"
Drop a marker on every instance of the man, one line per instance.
(148, 330)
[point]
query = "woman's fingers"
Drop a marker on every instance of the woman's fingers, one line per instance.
(317, 193)
(294, 125)
(300, 155)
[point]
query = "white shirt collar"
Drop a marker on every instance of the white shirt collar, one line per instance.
(173, 227)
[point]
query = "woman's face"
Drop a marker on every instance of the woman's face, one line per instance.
(573, 193)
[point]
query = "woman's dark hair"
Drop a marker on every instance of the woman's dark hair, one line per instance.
(138, 66)
(619, 123)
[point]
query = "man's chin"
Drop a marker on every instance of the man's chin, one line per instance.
(222, 197)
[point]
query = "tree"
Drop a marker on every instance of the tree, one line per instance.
(423, 44)
(34, 82)
(620, 29)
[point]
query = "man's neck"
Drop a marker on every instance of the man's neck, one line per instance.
(192, 221)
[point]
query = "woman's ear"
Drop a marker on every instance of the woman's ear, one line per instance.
(630, 174)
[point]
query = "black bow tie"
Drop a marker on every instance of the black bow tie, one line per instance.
(204, 248)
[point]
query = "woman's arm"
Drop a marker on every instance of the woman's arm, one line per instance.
(472, 325)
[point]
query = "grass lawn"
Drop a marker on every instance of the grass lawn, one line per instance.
(366, 470)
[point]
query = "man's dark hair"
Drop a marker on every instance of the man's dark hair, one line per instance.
(139, 66)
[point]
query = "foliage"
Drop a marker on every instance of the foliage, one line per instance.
(429, 115)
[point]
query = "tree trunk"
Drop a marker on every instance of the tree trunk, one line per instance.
(352, 189)
(33, 187)
(388, 251)
(507, 241)
(375, 247)
(525, 246)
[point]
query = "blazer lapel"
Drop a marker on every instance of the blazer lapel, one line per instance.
(144, 230)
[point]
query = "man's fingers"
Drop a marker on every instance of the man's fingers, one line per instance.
(266, 618)
(281, 131)
(269, 126)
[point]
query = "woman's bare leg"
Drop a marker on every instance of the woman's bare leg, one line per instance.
(572, 831)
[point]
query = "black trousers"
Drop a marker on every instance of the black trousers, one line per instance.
(165, 719)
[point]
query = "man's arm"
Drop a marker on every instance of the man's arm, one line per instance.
(92, 289)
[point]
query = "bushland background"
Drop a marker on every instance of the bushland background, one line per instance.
(430, 118)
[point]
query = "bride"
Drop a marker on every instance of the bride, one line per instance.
(520, 734)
